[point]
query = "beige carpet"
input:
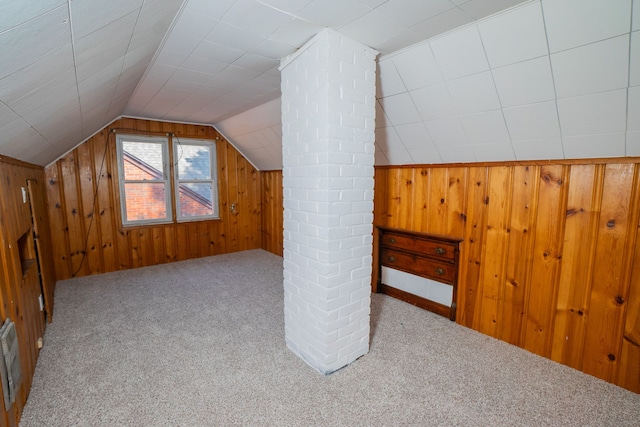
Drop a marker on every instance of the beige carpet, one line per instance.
(201, 343)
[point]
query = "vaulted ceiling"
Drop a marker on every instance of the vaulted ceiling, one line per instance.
(545, 79)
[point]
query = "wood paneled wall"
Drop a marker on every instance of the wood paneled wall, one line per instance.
(84, 209)
(272, 211)
(550, 259)
(19, 278)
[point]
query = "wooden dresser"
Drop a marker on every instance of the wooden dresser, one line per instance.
(430, 256)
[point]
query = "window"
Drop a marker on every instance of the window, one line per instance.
(195, 180)
(152, 189)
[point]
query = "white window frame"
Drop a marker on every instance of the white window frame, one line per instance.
(164, 142)
(213, 181)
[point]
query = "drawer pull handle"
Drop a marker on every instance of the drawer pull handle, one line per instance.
(391, 259)
(439, 271)
(440, 251)
(392, 240)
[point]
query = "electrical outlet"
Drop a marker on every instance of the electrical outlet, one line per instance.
(40, 300)
(24, 194)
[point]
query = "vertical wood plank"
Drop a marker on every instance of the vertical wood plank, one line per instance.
(520, 244)
(547, 253)
(57, 222)
(495, 249)
(583, 208)
(605, 324)
(469, 290)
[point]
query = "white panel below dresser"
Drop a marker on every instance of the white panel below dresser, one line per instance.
(420, 286)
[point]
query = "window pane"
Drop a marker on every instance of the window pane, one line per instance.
(142, 160)
(194, 161)
(145, 201)
(195, 199)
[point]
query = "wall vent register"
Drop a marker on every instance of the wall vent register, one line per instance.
(10, 371)
(419, 268)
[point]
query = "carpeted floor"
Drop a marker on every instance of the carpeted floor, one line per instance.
(201, 343)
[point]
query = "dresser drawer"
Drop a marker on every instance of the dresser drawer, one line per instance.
(437, 249)
(411, 263)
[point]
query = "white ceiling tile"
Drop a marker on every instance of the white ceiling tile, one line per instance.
(389, 81)
(27, 43)
(634, 67)
(7, 115)
(414, 136)
(400, 109)
(274, 49)
(446, 21)
(411, 12)
(457, 154)
(36, 75)
(44, 155)
(433, 102)
(425, 156)
(406, 37)
(592, 114)
(372, 29)
(532, 121)
(447, 132)
(538, 149)
(493, 152)
(98, 63)
(380, 158)
(171, 58)
(482, 8)
(191, 24)
(417, 67)
(199, 63)
(635, 19)
(114, 34)
(256, 17)
(526, 82)
(296, 32)
(291, 6)
(399, 156)
(56, 90)
(572, 23)
(235, 37)
(217, 52)
(108, 75)
(590, 146)
(19, 130)
(474, 93)
(186, 43)
(90, 15)
(162, 71)
(15, 13)
(596, 67)
(633, 109)
(515, 35)
(256, 62)
(388, 139)
(633, 144)
(460, 53)
(382, 121)
(191, 76)
(323, 12)
(485, 128)
(205, 7)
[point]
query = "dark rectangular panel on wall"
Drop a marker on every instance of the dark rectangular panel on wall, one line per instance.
(84, 210)
(549, 260)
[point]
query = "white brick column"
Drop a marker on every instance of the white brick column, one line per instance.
(328, 111)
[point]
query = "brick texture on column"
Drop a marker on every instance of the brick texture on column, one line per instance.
(328, 112)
